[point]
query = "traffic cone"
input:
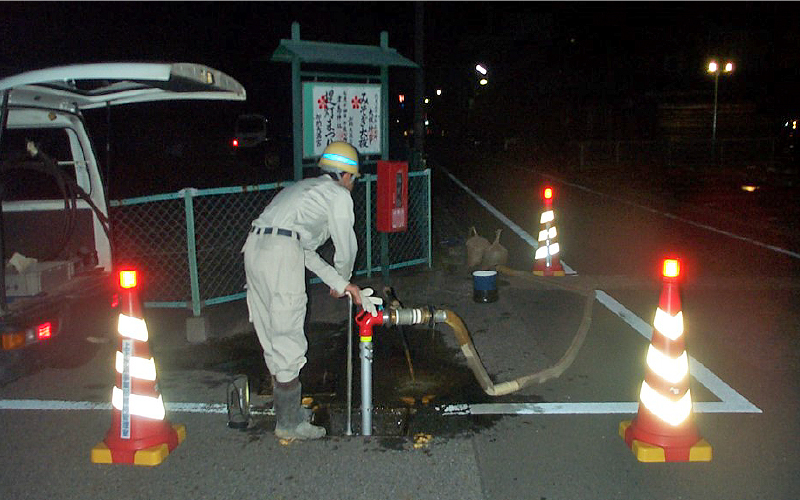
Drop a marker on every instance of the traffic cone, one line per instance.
(664, 430)
(546, 261)
(139, 433)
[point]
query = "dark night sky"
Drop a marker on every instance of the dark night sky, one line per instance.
(525, 39)
(545, 54)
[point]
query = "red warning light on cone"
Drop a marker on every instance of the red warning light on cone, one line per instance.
(671, 268)
(127, 279)
(663, 430)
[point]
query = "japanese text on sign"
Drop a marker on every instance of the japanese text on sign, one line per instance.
(339, 112)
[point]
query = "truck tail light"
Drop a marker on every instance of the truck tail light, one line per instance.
(44, 331)
(13, 340)
(36, 333)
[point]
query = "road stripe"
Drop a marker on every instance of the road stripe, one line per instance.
(681, 219)
(730, 400)
(728, 396)
(59, 405)
(527, 238)
(605, 408)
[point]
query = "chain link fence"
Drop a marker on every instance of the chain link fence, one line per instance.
(188, 244)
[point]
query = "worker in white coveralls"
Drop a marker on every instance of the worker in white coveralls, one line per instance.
(282, 242)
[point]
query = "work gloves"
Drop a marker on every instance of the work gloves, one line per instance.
(368, 302)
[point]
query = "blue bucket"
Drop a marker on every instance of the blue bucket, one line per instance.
(484, 286)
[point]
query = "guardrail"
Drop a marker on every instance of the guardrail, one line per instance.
(188, 244)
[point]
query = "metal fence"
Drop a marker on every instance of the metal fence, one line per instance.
(187, 244)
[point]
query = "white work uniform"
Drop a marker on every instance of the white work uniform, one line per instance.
(313, 209)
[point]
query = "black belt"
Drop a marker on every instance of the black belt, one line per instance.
(270, 230)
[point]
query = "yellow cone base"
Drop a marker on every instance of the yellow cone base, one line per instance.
(551, 273)
(154, 455)
(644, 452)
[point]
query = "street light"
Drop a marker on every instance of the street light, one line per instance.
(713, 68)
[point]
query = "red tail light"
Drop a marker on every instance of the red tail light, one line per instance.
(44, 331)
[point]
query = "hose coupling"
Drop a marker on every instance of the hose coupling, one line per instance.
(416, 316)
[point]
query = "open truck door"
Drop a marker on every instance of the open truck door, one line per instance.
(55, 234)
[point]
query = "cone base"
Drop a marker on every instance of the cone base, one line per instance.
(549, 273)
(154, 455)
(701, 451)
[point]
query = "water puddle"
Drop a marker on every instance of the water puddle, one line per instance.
(411, 380)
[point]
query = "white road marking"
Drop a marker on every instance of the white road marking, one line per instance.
(730, 400)
(735, 402)
(681, 219)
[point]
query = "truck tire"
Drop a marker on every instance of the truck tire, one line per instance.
(11, 366)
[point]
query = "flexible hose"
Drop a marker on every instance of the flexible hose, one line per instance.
(476, 365)
(70, 190)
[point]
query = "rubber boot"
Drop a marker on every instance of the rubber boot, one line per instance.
(307, 412)
(291, 422)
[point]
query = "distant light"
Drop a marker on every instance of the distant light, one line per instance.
(712, 67)
(483, 81)
(749, 189)
(438, 91)
(427, 123)
(427, 100)
(481, 69)
(548, 193)
(672, 268)
(728, 67)
(235, 143)
(794, 124)
(401, 98)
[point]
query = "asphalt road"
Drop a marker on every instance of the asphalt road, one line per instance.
(557, 440)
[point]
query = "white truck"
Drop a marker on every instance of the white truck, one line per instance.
(55, 235)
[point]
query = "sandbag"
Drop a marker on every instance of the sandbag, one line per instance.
(495, 255)
(476, 245)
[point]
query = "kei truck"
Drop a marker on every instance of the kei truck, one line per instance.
(55, 233)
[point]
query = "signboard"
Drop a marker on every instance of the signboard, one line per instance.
(341, 112)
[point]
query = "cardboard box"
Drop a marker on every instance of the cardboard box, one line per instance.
(38, 277)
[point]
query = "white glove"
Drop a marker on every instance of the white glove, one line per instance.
(368, 302)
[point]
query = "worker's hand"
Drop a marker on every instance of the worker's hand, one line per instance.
(352, 290)
(369, 302)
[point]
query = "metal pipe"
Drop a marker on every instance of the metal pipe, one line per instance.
(349, 429)
(366, 387)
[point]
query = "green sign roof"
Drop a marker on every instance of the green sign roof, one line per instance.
(339, 53)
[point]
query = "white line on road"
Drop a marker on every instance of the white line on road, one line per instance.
(681, 219)
(730, 398)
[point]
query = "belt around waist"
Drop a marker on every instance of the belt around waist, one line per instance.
(271, 230)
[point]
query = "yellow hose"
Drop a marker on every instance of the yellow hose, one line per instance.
(476, 365)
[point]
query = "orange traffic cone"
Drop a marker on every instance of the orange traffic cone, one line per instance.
(664, 430)
(139, 433)
(546, 261)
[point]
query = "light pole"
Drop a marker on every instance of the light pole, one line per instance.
(714, 68)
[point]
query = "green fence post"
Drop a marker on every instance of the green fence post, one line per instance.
(191, 248)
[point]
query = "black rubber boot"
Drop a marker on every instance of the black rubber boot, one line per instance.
(289, 412)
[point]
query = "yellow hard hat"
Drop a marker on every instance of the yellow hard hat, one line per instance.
(340, 156)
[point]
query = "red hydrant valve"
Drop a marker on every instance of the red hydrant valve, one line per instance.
(365, 323)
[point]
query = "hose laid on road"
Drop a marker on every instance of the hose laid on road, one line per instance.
(476, 365)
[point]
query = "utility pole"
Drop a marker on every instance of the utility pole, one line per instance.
(419, 84)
